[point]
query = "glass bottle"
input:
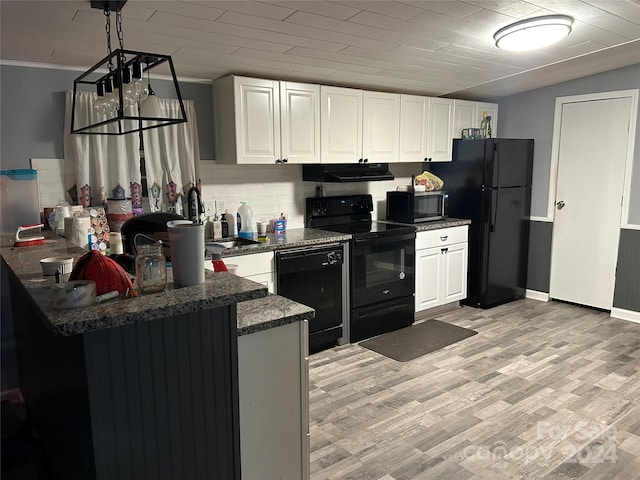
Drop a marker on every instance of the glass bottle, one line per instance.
(151, 268)
(484, 125)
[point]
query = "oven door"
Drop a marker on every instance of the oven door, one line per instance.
(382, 268)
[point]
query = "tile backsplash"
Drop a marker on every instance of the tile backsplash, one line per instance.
(268, 189)
(273, 189)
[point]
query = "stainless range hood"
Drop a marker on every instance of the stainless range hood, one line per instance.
(346, 172)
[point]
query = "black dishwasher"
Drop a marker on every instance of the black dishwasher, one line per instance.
(316, 277)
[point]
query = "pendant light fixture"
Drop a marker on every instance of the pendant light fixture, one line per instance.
(533, 33)
(121, 93)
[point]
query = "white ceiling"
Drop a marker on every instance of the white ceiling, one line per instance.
(429, 47)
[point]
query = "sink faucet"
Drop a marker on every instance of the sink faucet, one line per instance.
(194, 205)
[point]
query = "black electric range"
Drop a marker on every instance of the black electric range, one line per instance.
(381, 263)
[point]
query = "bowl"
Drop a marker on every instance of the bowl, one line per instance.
(51, 264)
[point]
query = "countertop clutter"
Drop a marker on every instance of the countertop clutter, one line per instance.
(218, 289)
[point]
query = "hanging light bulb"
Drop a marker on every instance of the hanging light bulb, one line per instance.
(111, 101)
(128, 95)
(139, 89)
(100, 102)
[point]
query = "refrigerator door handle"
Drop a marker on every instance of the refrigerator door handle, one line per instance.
(494, 209)
(496, 167)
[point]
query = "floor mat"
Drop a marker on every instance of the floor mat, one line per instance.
(417, 340)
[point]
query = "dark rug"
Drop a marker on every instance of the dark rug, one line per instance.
(417, 340)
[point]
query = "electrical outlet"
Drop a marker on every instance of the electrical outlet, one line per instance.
(209, 208)
(221, 206)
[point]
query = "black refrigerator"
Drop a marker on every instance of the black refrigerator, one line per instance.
(489, 182)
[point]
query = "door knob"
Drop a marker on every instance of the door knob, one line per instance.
(560, 205)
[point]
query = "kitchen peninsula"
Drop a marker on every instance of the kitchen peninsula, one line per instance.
(139, 388)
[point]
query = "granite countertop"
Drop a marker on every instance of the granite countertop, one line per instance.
(295, 237)
(446, 223)
(269, 312)
(219, 289)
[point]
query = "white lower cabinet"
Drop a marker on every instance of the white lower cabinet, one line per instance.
(441, 267)
(273, 376)
(258, 267)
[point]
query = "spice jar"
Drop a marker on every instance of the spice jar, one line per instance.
(151, 268)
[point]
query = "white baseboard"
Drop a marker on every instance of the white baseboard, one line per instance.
(536, 295)
(623, 314)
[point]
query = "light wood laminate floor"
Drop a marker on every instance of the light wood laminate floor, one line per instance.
(544, 391)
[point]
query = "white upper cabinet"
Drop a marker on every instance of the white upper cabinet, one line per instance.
(260, 121)
(440, 130)
(251, 113)
(465, 115)
(492, 111)
(359, 126)
(300, 122)
(381, 127)
(414, 121)
(340, 124)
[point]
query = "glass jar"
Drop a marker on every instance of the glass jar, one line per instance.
(151, 268)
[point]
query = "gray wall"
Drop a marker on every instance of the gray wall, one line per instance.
(539, 267)
(32, 112)
(627, 293)
(531, 115)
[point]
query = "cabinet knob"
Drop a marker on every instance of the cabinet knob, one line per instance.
(360, 160)
(444, 250)
(278, 160)
(443, 238)
(426, 159)
(366, 160)
(285, 160)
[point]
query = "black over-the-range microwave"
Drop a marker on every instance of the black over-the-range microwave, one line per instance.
(413, 207)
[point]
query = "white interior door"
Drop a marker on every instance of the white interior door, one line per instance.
(592, 153)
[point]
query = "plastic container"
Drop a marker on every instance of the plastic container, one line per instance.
(245, 221)
(18, 199)
(118, 212)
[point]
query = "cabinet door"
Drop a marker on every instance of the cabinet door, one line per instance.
(414, 121)
(429, 277)
(464, 116)
(340, 124)
(257, 106)
(274, 402)
(380, 127)
(455, 273)
(300, 122)
(492, 111)
(440, 137)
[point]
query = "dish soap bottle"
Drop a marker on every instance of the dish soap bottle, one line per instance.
(245, 221)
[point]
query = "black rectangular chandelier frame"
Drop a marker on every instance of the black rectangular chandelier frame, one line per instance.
(125, 59)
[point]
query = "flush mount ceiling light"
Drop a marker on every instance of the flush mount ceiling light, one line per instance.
(533, 33)
(123, 102)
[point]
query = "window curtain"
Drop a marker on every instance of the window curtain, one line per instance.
(97, 164)
(172, 156)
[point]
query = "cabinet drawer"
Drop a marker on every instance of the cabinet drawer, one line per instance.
(441, 236)
(252, 264)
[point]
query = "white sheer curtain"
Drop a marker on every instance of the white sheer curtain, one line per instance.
(172, 153)
(100, 162)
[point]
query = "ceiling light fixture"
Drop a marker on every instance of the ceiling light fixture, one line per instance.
(533, 33)
(121, 93)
